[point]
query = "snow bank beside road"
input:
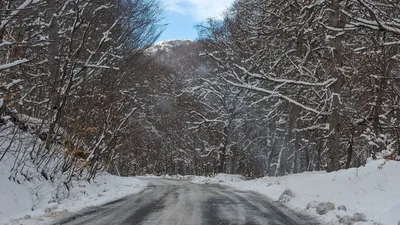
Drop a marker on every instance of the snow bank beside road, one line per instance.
(369, 190)
(33, 195)
(17, 200)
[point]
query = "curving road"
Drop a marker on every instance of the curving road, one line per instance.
(172, 202)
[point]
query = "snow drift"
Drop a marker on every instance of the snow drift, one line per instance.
(370, 190)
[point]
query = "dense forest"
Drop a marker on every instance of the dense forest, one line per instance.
(275, 87)
(66, 100)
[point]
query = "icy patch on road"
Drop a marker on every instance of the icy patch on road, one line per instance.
(369, 190)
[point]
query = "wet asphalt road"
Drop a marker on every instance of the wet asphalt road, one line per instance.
(171, 202)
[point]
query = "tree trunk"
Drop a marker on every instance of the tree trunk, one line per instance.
(271, 153)
(53, 70)
(222, 150)
(288, 148)
(333, 158)
(350, 149)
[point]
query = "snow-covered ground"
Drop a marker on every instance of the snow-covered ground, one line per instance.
(26, 194)
(18, 199)
(369, 190)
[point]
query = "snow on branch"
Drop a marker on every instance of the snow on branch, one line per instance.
(13, 83)
(376, 24)
(16, 11)
(204, 121)
(296, 82)
(4, 43)
(13, 64)
(276, 94)
(100, 67)
(324, 126)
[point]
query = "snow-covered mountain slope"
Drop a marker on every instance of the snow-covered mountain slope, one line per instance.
(370, 190)
(166, 46)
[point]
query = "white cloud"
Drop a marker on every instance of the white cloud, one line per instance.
(199, 9)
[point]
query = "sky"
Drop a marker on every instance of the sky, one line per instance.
(182, 15)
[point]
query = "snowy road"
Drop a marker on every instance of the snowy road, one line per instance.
(168, 202)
